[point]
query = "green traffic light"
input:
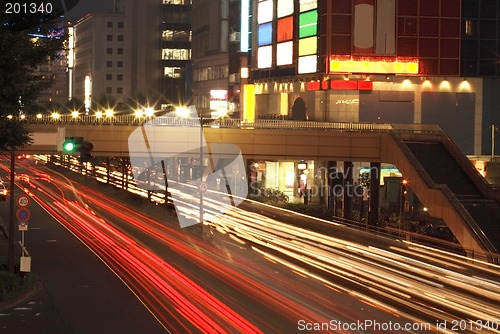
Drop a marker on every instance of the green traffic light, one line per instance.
(69, 146)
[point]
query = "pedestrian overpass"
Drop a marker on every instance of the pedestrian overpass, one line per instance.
(440, 175)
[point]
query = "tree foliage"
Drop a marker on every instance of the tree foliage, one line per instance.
(13, 134)
(26, 42)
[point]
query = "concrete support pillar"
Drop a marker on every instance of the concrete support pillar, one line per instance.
(348, 189)
(253, 186)
(374, 200)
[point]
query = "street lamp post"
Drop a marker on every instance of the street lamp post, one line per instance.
(201, 167)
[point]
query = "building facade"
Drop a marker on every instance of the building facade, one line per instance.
(54, 75)
(100, 77)
(383, 61)
(138, 56)
(217, 57)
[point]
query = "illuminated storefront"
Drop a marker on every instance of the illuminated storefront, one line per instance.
(363, 61)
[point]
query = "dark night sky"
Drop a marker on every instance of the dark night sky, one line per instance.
(89, 6)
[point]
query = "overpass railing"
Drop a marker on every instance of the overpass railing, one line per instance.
(228, 123)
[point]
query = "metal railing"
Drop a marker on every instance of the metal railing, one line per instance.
(214, 123)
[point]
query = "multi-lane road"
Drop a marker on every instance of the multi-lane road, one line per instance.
(249, 273)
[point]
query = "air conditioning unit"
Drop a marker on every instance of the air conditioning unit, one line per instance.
(234, 37)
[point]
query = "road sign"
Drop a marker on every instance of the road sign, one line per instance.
(23, 215)
(23, 226)
(203, 186)
(23, 201)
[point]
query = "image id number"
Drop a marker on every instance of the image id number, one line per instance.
(28, 8)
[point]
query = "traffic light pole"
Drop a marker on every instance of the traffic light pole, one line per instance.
(12, 231)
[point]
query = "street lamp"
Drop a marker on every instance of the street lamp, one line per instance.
(138, 113)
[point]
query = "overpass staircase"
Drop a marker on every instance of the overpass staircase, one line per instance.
(453, 190)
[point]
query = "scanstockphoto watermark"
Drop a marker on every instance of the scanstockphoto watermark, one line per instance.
(321, 190)
(215, 181)
(361, 326)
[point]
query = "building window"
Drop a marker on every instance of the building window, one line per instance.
(176, 2)
(172, 72)
(119, 51)
(119, 64)
(119, 90)
(109, 63)
(109, 51)
(109, 24)
(469, 27)
(109, 38)
(120, 24)
(119, 77)
(120, 38)
(176, 35)
(109, 90)
(109, 77)
(176, 54)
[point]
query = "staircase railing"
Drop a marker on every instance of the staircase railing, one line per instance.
(471, 223)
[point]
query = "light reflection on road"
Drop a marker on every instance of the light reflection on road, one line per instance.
(406, 282)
